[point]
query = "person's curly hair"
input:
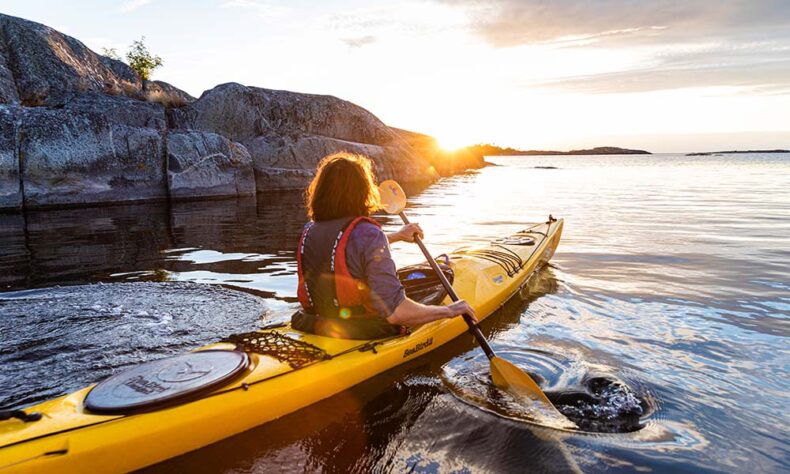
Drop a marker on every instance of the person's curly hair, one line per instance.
(344, 186)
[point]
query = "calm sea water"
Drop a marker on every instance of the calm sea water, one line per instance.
(673, 276)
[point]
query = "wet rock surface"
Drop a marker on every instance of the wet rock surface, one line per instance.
(85, 333)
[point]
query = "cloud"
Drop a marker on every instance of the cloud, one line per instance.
(264, 9)
(759, 68)
(505, 23)
(408, 18)
(360, 41)
(678, 43)
(132, 5)
(774, 78)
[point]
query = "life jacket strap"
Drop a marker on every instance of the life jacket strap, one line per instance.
(303, 292)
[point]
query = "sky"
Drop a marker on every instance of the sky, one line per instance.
(661, 75)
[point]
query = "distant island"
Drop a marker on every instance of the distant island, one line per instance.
(493, 150)
(730, 152)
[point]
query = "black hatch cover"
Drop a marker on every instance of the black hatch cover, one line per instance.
(165, 382)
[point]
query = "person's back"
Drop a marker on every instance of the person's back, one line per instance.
(348, 285)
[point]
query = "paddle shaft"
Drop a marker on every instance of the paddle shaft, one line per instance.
(473, 328)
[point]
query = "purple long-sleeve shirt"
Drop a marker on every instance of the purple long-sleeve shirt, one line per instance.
(369, 258)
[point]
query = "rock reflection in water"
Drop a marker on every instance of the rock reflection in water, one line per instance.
(14, 254)
(66, 246)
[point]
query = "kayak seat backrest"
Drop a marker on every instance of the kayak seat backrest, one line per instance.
(422, 284)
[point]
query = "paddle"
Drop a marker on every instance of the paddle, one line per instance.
(504, 374)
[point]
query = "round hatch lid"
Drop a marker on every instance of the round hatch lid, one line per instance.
(165, 382)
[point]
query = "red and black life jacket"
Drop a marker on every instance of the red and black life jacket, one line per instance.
(328, 289)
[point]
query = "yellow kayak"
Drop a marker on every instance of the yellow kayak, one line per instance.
(132, 420)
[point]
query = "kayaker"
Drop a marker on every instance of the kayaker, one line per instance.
(348, 285)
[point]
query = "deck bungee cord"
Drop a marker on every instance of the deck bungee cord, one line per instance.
(506, 258)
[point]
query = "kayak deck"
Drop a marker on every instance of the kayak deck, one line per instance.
(69, 438)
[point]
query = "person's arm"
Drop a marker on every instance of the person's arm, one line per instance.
(406, 233)
(386, 291)
(411, 313)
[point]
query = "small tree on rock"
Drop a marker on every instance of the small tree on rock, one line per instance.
(141, 60)
(111, 53)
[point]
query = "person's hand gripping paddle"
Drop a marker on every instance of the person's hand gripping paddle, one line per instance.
(504, 374)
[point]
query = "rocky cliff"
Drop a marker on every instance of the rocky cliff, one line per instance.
(288, 133)
(80, 128)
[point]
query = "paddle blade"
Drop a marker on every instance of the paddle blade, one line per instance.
(393, 199)
(509, 377)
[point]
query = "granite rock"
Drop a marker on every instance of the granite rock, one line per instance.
(10, 182)
(48, 67)
(72, 158)
(161, 92)
(288, 133)
(242, 113)
(444, 162)
(119, 109)
(8, 93)
(290, 161)
(204, 164)
(81, 128)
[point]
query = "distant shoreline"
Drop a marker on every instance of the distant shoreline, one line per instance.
(493, 150)
(731, 152)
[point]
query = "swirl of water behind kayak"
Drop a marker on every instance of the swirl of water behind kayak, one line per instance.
(597, 401)
(595, 397)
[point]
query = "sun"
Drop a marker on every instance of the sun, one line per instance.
(452, 142)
